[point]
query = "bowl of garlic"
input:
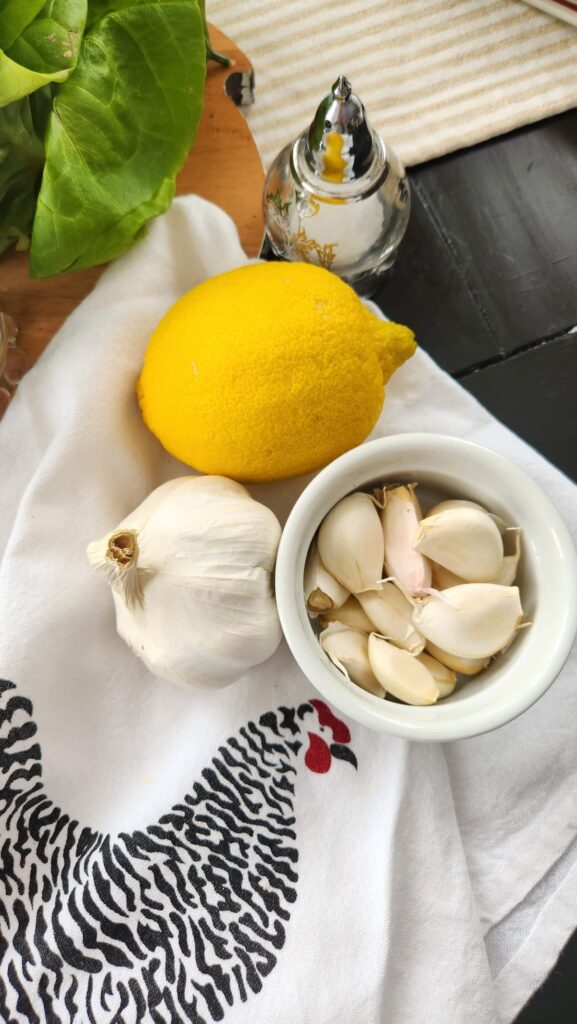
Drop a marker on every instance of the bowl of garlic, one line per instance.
(427, 587)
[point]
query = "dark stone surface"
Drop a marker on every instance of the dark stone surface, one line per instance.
(489, 262)
(556, 1001)
(535, 393)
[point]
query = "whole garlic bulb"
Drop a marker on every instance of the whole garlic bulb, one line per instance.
(190, 571)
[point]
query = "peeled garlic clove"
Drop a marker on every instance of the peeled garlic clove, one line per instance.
(450, 503)
(462, 503)
(349, 614)
(400, 673)
(392, 615)
(444, 578)
(400, 518)
(508, 571)
(322, 591)
(465, 666)
(445, 679)
(348, 650)
(351, 544)
(474, 620)
(522, 625)
(464, 540)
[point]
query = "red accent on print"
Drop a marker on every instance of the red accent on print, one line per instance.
(568, 4)
(340, 731)
(318, 756)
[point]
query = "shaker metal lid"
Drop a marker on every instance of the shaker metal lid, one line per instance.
(339, 141)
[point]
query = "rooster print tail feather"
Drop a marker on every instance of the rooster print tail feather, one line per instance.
(171, 923)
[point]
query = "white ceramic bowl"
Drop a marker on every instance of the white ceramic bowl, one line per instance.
(446, 467)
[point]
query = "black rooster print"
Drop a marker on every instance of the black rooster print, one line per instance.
(173, 923)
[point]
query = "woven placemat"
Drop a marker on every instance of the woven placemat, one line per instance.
(434, 76)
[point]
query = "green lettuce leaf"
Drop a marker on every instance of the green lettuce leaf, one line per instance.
(15, 16)
(22, 127)
(119, 130)
(39, 43)
(98, 9)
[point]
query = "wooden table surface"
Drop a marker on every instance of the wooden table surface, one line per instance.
(487, 277)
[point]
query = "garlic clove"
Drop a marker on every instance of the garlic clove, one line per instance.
(349, 614)
(445, 678)
(351, 544)
(474, 620)
(522, 625)
(348, 650)
(451, 503)
(508, 571)
(400, 674)
(392, 616)
(444, 578)
(462, 503)
(400, 520)
(464, 540)
(322, 591)
(465, 666)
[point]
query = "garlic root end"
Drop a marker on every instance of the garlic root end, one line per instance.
(115, 557)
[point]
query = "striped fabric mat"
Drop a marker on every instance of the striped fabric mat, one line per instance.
(434, 75)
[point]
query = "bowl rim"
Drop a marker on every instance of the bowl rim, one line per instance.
(364, 708)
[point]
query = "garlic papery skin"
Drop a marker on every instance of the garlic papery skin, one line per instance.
(348, 650)
(444, 578)
(508, 571)
(351, 544)
(400, 519)
(464, 540)
(191, 575)
(400, 674)
(475, 620)
(323, 592)
(392, 616)
(349, 614)
(465, 666)
(445, 678)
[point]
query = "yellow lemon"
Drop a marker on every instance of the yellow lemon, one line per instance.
(268, 371)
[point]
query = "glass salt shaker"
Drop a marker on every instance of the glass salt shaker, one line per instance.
(338, 196)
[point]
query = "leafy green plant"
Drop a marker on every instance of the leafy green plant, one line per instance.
(99, 104)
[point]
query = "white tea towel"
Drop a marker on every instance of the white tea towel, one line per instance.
(167, 856)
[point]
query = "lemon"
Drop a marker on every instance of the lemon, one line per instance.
(268, 371)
